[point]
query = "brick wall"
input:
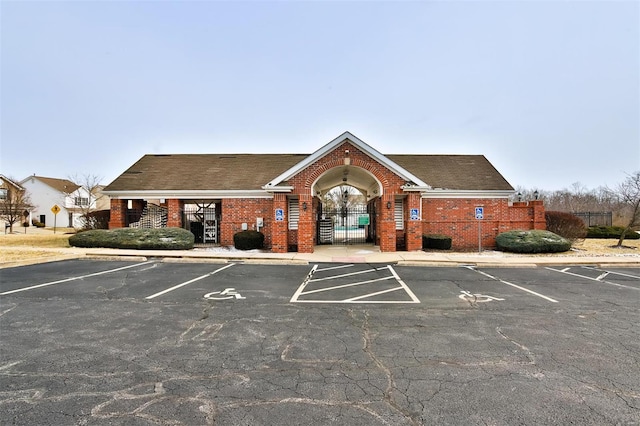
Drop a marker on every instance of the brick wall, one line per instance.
(236, 211)
(456, 218)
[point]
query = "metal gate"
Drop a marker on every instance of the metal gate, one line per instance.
(346, 225)
(201, 220)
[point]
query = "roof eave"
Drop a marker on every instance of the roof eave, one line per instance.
(188, 194)
(467, 193)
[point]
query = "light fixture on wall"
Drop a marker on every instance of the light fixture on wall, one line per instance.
(519, 196)
(304, 206)
(389, 205)
(536, 194)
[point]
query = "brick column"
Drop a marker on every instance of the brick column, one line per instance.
(306, 225)
(539, 221)
(174, 213)
(413, 231)
(387, 225)
(279, 237)
(118, 214)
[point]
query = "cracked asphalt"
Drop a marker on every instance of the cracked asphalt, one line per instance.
(137, 343)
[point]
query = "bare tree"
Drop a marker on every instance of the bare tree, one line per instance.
(343, 196)
(629, 195)
(15, 204)
(86, 196)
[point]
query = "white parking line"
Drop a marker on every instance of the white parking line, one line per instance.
(406, 288)
(175, 287)
(564, 271)
(609, 272)
(512, 285)
(366, 271)
(357, 299)
(72, 279)
(319, 290)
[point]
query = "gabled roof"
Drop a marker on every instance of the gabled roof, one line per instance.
(64, 186)
(347, 136)
(11, 182)
(228, 172)
(258, 174)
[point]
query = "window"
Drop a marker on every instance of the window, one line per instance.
(294, 213)
(399, 214)
(81, 201)
(3, 193)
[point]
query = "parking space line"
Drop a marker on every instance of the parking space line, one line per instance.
(353, 299)
(348, 275)
(512, 284)
(344, 286)
(357, 299)
(564, 271)
(348, 265)
(73, 279)
(406, 287)
(175, 287)
(610, 272)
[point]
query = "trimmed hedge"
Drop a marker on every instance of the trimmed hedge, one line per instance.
(248, 240)
(567, 225)
(610, 232)
(534, 241)
(436, 241)
(135, 238)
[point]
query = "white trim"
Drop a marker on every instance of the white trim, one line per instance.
(188, 194)
(463, 193)
(9, 181)
(272, 189)
(395, 168)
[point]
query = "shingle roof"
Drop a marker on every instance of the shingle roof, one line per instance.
(252, 171)
(62, 185)
(458, 172)
(203, 172)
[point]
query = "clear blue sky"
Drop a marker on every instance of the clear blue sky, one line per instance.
(548, 91)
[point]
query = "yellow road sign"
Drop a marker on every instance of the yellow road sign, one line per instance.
(55, 209)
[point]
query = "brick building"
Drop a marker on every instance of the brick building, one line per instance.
(399, 197)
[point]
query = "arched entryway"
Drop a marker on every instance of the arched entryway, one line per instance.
(346, 198)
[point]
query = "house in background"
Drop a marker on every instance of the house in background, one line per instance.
(283, 196)
(72, 199)
(9, 195)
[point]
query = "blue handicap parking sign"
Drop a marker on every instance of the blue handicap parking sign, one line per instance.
(415, 215)
(479, 213)
(279, 215)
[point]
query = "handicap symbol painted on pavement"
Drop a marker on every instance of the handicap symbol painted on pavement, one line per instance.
(466, 295)
(227, 293)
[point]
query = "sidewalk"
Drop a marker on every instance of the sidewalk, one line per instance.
(343, 254)
(323, 254)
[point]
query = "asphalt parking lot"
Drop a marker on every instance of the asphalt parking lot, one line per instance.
(152, 342)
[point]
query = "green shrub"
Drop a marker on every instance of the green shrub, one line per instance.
(436, 241)
(610, 232)
(37, 224)
(566, 225)
(135, 238)
(248, 240)
(535, 241)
